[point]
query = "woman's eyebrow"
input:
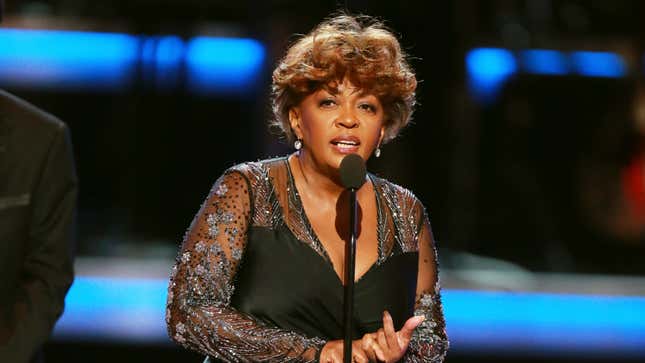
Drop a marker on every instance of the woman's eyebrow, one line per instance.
(353, 91)
(334, 91)
(365, 93)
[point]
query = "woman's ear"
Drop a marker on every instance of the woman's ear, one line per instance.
(294, 121)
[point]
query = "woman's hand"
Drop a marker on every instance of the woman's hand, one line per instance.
(387, 345)
(332, 352)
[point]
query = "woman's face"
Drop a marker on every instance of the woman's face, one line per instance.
(335, 123)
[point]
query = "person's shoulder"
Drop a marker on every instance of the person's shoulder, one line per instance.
(255, 173)
(256, 169)
(402, 196)
(252, 178)
(407, 211)
(19, 114)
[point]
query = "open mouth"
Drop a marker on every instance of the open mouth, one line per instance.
(346, 145)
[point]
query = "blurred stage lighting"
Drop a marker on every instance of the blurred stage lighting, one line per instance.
(546, 324)
(487, 69)
(544, 61)
(162, 60)
(116, 62)
(598, 64)
(114, 309)
(66, 59)
(130, 310)
(219, 65)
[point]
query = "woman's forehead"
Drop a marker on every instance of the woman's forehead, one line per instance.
(345, 87)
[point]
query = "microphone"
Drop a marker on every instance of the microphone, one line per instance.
(352, 171)
(352, 176)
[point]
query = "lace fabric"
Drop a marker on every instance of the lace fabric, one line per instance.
(410, 231)
(199, 315)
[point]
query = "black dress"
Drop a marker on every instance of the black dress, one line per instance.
(252, 281)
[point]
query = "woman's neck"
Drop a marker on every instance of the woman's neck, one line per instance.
(313, 178)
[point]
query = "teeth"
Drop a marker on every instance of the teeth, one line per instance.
(351, 143)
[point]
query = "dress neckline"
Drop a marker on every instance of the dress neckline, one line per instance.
(294, 196)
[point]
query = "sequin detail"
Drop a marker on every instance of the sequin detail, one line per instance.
(406, 215)
(221, 190)
(429, 341)
(213, 228)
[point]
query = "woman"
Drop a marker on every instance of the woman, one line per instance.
(258, 277)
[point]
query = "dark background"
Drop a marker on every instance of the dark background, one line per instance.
(533, 178)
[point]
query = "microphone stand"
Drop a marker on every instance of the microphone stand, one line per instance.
(350, 265)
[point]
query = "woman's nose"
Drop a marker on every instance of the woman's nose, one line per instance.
(347, 119)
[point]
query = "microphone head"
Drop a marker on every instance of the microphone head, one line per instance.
(352, 171)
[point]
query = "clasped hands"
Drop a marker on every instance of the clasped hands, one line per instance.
(385, 345)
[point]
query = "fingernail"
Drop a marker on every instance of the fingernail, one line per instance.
(420, 318)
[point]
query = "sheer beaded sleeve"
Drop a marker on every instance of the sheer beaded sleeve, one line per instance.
(199, 315)
(429, 342)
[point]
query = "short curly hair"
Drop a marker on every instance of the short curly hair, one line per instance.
(359, 48)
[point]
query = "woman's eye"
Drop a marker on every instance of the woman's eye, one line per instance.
(327, 102)
(368, 107)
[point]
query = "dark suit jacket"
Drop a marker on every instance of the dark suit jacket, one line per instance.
(38, 190)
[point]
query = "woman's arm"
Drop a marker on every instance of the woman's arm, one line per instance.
(199, 315)
(429, 341)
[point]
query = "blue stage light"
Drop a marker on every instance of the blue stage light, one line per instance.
(543, 61)
(148, 60)
(546, 324)
(114, 309)
(79, 60)
(133, 310)
(108, 61)
(222, 65)
(169, 60)
(487, 70)
(598, 64)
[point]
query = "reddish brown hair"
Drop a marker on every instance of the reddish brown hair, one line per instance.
(360, 49)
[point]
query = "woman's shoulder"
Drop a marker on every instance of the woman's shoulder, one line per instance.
(256, 170)
(255, 179)
(406, 210)
(399, 195)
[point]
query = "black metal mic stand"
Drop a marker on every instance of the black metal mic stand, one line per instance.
(350, 266)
